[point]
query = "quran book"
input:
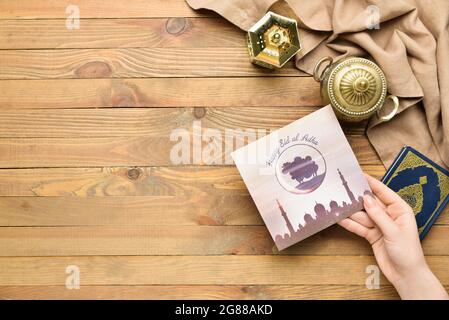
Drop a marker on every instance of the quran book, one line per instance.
(422, 183)
(303, 177)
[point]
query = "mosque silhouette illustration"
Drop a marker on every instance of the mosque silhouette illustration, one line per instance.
(323, 217)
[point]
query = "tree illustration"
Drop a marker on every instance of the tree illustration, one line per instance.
(300, 168)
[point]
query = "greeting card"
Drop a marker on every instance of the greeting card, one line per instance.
(303, 177)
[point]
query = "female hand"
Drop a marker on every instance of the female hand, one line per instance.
(389, 225)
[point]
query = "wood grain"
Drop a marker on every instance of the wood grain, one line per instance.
(121, 33)
(199, 270)
(130, 181)
(176, 240)
(133, 63)
(251, 292)
(166, 240)
(181, 210)
(52, 94)
(40, 9)
(86, 177)
(160, 92)
(126, 151)
(155, 122)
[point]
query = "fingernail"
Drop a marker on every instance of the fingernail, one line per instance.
(368, 200)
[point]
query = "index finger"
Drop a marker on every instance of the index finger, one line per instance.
(382, 192)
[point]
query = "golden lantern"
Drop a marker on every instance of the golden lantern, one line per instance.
(273, 40)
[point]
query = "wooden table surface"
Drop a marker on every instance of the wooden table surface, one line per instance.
(86, 177)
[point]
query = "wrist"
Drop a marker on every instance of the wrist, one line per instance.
(420, 284)
(412, 275)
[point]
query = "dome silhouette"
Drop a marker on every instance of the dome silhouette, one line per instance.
(319, 209)
(333, 204)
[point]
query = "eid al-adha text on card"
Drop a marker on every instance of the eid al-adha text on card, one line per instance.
(303, 177)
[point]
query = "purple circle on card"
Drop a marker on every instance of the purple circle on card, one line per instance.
(300, 169)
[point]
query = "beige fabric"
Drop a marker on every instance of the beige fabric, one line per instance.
(411, 46)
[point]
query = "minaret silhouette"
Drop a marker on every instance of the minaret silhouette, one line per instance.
(287, 221)
(345, 184)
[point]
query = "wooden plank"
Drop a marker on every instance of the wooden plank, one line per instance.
(216, 92)
(49, 9)
(130, 151)
(134, 63)
(129, 181)
(177, 240)
(73, 93)
(194, 209)
(121, 33)
(168, 240)
(294, 292)
(199, 270)
(134, 122)
(189, 210)
(160, 92)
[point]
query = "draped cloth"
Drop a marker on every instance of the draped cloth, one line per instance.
(409, 39)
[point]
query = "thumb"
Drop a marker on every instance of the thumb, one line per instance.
(379, 216)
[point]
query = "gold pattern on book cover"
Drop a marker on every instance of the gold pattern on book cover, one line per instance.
(413, 195)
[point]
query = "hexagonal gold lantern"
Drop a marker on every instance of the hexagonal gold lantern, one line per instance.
(273, 40)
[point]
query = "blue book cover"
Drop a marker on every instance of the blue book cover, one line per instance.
(422, 183)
